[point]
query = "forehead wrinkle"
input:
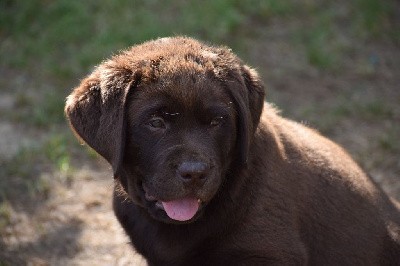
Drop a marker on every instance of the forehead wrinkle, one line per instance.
(186, 84)
(184, 95)
(187, 96)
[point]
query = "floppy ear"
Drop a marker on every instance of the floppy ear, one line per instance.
(96, 109)
(256, 94)
(248, 95)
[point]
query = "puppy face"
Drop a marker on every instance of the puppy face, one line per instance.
(171, 116)
(181, 137)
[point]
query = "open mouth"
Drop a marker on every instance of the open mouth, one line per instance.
(181, 209)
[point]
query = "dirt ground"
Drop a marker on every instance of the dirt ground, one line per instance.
(74, 224)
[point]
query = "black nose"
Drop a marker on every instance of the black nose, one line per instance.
(193, 171)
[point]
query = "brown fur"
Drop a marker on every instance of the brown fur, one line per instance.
(272, 191)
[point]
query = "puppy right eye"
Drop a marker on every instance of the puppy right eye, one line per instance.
(157, 123)
(217, 121)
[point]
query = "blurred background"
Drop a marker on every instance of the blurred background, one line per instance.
(333, 65)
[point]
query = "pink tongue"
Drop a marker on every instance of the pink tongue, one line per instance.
(181, 209)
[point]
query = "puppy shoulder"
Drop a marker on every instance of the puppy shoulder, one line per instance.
(306, 148)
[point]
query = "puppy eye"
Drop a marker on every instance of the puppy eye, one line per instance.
(216, 121)
(157, 122)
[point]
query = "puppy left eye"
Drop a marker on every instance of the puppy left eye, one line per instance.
(157, 123)
(216, 121)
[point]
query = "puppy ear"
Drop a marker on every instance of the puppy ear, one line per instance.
(96, 109)
(256, 94)
(249, 101)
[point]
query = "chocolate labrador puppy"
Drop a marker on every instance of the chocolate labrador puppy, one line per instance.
(207, 173)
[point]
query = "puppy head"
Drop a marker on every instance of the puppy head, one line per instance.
(171, 116)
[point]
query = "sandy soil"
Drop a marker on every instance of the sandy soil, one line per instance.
(75, 226)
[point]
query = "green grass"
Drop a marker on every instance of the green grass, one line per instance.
(319, 41)
(389, 140)
(374, 15)
(5, 214)
(50, 109)
(34, 167)
(325, 38)
(366, 110)
(57, 151)
(41, 110)
(64, 39)
(369, 110)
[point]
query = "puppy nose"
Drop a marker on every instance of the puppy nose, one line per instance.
(192, 171)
